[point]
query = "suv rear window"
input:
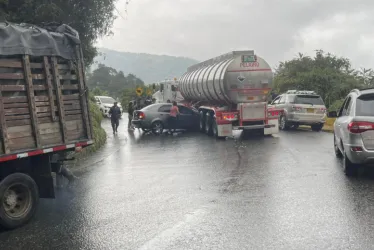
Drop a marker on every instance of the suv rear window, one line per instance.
(365, 105)
(308, 99)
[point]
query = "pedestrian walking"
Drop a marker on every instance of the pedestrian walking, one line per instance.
(173, 118)
(115, 114)
(130, 110)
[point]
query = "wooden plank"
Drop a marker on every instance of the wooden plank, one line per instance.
(12, 76)
(14, 63)
(70, 87)
(45, 109)
(72, 107)
(83, 92)
(73, 112)
(47, 68)
(16, 105)
(74, 118)
(42, 104)
(51, 141)
(19, 134)
(47, 120)
(59, 96)
(17, 123)
(43, 98)
(43, 115)
(17, 117)
(30, 94)
(4, 129)
(22, 143)
(72, 102)
(14, 99)
(13, 88)
(40, 87)
(70, 97)
(68, 77)
(74, 126)
(17, 111)
(63, 66)
(20, 76)
(24, 128)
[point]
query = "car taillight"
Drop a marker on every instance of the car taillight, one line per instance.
(141, 115)
(296, 108)
(360, 127)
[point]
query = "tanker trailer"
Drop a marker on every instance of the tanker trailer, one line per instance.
(230, 92)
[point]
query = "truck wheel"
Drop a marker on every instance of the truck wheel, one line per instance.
(283, 123)
(19, 198)
(215, 130)
(208, 124)
(202, 122)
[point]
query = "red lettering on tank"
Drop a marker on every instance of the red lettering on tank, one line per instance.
(249, 65)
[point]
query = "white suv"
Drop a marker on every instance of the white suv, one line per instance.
(354, 130)
(105, 103)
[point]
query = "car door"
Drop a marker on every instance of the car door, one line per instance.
(164, 113)
(341, 121)
(185, 119)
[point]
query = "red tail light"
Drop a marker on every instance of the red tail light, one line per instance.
(141, 115)
(229, 116)
(296, 108)
(360, 127)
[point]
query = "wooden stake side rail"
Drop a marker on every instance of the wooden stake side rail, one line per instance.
(43, 102)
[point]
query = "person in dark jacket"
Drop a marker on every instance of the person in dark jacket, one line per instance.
(115, 114)
(130, 110)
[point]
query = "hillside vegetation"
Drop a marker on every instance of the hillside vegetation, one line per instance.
(150, 68)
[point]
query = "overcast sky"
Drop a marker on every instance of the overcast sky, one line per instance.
(276, 30)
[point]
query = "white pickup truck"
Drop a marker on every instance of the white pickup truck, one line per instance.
(105, 103)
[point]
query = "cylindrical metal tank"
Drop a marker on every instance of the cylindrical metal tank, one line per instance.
(236, 77)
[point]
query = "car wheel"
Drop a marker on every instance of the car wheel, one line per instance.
(208, 124)
(336, 149)
(317, 127)
(146, 130)
(19, 198)
(283, 124)
(157, 127)
(350, 169)
(202, 122)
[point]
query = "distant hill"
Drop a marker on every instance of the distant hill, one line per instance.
(150, 68)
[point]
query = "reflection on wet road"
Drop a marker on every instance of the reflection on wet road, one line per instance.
(193, 192)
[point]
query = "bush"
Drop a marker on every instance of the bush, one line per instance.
(336, 105)
(98, 132)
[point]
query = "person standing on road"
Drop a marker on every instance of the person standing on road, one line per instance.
(115, 114)
(130, 110)
(173, 118)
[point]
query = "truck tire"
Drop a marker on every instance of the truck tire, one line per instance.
(208, 124)
(202, 122)
(283, 123)
(215, 130)
(20, 196)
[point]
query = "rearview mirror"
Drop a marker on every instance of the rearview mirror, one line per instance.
(332, 114)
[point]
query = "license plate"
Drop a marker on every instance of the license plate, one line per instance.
(250, 98)
(310, 110)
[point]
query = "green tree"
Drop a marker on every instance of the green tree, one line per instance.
(91, 18)
(330, 76)
(113, 81)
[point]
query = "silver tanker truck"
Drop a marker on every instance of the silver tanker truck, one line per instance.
(230, 92)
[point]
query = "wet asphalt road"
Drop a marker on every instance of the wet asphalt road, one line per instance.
(193, 192)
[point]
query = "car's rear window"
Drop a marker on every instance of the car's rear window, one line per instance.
(365, 105)
(308, 99)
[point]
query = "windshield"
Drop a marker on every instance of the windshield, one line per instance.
(365, 105)
(107, 100)
(308, 99)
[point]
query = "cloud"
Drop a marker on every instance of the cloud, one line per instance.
(276, 30)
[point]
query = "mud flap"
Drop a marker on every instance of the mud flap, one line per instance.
(272, 130)
(224, 130)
